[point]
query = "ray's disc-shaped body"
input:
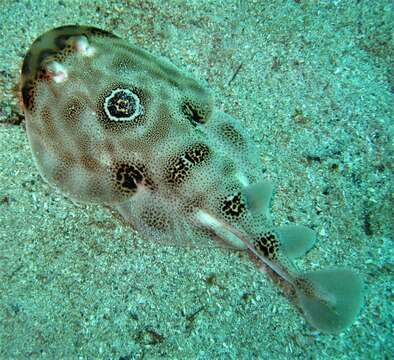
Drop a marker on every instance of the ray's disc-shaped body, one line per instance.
(111, 124)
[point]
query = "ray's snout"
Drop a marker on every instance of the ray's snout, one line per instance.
(42, 61)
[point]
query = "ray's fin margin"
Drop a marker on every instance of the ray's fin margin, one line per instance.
(330, 299)
(295, 240)
(258, 197)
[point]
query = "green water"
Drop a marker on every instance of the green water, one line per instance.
(312, 83)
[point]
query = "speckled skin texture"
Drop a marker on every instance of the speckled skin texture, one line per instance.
(312, 87)
(111, 124)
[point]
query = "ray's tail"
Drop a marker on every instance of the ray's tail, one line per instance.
(330, 299)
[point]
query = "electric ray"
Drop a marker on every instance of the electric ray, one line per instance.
(111, 124)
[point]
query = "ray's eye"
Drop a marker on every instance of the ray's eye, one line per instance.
(122, 105)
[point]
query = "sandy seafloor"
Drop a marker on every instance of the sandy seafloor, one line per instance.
(316, 91)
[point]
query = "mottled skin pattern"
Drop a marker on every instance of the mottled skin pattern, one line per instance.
(108, 123)
(175, 151)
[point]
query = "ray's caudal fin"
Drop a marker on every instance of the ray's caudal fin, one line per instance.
(330, 299)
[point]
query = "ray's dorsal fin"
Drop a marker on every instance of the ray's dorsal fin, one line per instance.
(295, 240)
(258, 196)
